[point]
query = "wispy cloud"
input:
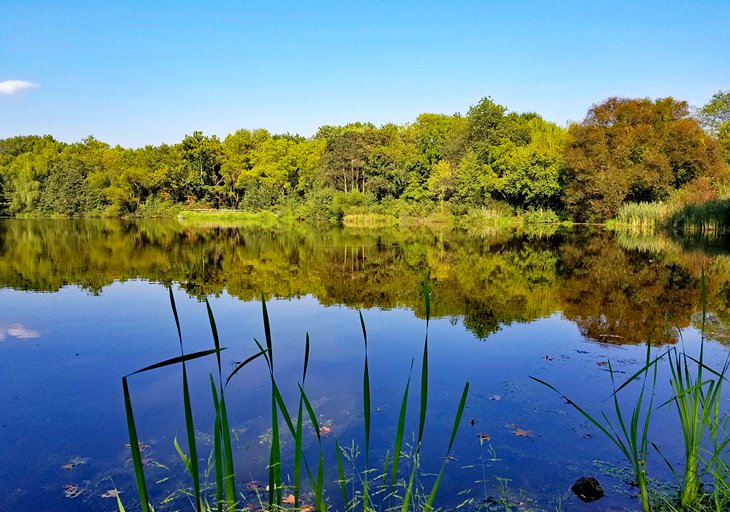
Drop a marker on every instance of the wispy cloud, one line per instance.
(9, 87)
(18, 331)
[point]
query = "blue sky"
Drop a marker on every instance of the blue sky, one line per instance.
(139, 72)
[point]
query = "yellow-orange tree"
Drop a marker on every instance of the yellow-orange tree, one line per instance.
(634, 150)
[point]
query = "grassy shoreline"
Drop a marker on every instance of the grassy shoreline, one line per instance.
(709, 217)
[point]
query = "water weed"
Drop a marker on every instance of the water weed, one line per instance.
(372, 489)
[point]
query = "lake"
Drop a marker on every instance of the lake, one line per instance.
(86, 302)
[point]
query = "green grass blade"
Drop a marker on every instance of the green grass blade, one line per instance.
(306, 359)
(319, 488)
(217, 449)
(192, 448)
(181, 454)
(214, 332)
(432, 496)
(310, 412)
(366, 406)
(274, 459)
(241, 365)
(366, 391)
(364, 330)
(265, 352)
(298, 454)
(424, 393)
(120, 506)
(409, 487)
(341, 474)
(399, 432)
(178, 359)
(427, 296)
(134, 446)
(174, 313)
(611, 435)
(457, 419)
(267, 331)
(229, 482)
(282, 407)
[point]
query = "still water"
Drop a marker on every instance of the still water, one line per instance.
(86, 302)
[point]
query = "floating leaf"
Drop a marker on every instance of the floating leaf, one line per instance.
(254, 485)
(484, 437)
(325, 431)
(522, 433)
(111, 493)
(67, 467)
(288, 499)
(72, 491)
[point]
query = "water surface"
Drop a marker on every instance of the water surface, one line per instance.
(85, 302)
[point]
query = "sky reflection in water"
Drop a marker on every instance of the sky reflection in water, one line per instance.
(556, 307)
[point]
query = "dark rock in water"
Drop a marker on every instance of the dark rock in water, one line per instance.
(587, 489)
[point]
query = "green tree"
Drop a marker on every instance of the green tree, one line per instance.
(715, 112)
(238, 149)
(346, 156)
(202, 157)
(531, 171)
(724, 138)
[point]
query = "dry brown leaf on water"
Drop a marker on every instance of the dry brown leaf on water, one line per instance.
(254, 485)
(325, 431)
(111, 493)
(67, 467)
(522, 433)
(72, 491)
(484, 437)
(288, 499)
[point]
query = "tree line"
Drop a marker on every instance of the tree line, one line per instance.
(625, 150)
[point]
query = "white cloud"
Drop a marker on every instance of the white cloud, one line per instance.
(9, 87)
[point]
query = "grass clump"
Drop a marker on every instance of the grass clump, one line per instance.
(378, 489)
(642, 217)
(708, 217)
(233, 217)
(703, 479)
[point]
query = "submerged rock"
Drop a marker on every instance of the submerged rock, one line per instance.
(587, 489)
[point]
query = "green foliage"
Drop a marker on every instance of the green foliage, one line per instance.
(724, 138)
(531, 171)
(715, 112)
(625, 150)
(711, 216)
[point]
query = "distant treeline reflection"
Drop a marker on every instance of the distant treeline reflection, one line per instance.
(616, 287)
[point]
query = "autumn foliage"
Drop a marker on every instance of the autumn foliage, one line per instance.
(635, 150)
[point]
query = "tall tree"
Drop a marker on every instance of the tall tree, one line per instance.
(634, 150)
(715, 112)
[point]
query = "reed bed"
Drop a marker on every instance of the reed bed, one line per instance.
(709, 217)
(642, 217)
(703, 480)
(379, 489)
